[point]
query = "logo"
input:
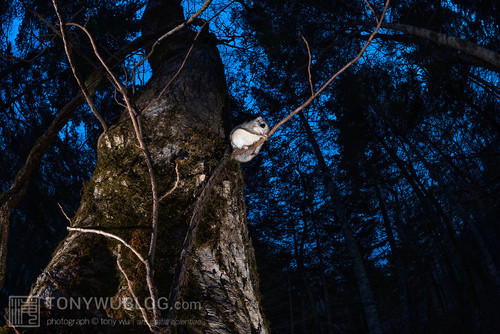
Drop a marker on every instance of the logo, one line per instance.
(24, 312)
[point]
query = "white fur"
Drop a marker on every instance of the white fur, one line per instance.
(246, 134)
(241, 138)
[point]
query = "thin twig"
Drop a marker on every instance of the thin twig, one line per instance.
(109, 235)
(370, 7)
(64, 213)
(75, 74)
(54, 29)
(319, 91)
(149, 163)
(176, 182)
(308, 63)
(12, 58)
(11, 325)
(116, 100)
(131, 289)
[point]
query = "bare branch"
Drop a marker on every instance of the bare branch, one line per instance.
(64, 213)
(176, 182)
(131, 289)
(308, 63)
(109, 235)
(11, 325)
(116, 99)
(138, 133)
(11, 198)
(54, 29)
(181, 271)
(371, 9)
(73, 69)
(486, 55)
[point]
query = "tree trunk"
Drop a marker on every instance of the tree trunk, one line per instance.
(396, 264)
(367, 298)
(467, 218)
(183, 126)
(12, 197)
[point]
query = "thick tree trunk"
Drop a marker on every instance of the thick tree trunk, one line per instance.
(185, 127)
(12, 197)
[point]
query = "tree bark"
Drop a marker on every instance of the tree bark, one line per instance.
(183, 126)
(11, 198)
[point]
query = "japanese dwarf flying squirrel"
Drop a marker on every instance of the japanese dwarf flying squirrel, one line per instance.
(246, 134)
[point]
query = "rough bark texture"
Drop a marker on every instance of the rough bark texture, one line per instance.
(11, 198)
(185, 126)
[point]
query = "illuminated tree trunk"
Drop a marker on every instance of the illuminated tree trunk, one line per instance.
(184, 126)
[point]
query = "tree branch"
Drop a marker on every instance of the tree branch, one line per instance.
(181, 271)
(67, 50)
(131, 289)
(456, 43)
(109, 235)
(176, 182)
(320, 90)
(138, 133)
(11, 198)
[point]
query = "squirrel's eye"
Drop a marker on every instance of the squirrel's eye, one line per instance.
(262, 125)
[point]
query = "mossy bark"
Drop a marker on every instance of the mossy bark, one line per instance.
(185, 127)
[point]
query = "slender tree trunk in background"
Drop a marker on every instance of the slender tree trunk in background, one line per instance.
(302, 271)
(460, 260)
(397, 264)
(324, 281)
(365, 290)
(183, 126)
(290, 301)
(4, 237)
(326, 293)
(467, 218)
(305, 287)
(448, 243)
(305, 316)
(414, 250)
